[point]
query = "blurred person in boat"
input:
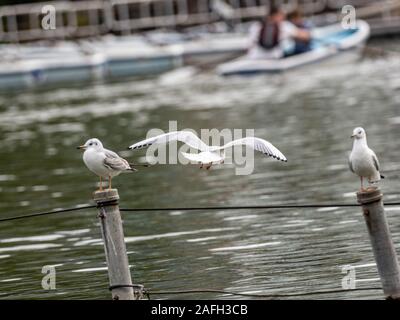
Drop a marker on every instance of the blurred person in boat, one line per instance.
(300, 46)
(275, 36)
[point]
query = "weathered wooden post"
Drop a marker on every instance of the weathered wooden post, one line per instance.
(381, 240)
(114, 245)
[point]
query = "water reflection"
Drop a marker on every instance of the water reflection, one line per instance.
(292, 251)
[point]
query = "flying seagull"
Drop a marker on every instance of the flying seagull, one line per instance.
(363, 161)
(102, 162)
(209, 155)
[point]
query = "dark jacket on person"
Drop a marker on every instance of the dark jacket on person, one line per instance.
(269, 35)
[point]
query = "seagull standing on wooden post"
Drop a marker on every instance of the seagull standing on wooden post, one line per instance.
(363, 161)
(102, 162)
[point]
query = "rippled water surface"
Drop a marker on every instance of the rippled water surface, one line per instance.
(309, 115)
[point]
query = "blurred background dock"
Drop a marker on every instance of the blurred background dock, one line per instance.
(77, 19)
(95, 40)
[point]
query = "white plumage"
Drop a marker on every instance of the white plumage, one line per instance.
(204, 157)
(209, 154)
(363, 161)
(102, 162)
(186, 137)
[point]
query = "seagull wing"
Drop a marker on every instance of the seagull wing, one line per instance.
(114, 162)
(375, 161)
(187, 137)
(350, 164)
(257, 144)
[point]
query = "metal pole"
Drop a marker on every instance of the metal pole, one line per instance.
(114, 245)
(381, 240)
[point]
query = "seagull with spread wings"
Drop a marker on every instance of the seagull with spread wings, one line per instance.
(209, 155)
(363, 161)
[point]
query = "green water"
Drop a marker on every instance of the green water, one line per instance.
(308, 115)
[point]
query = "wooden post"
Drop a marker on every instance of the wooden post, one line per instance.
(381, 240)
(114, 245)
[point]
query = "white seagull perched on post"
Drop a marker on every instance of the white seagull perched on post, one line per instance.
(363, 161)
(102, 162)
(209, 155)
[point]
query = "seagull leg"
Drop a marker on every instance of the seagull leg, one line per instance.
(370, 183)
(101, 184)
(362, 186)
(201, 166)
(109, 182)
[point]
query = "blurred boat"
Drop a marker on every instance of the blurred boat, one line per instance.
(32, 66)
(330, 44)
(18, 74)
(214, 48)
(201, 47)
(157, 52)
(135, 56)
(115, 57)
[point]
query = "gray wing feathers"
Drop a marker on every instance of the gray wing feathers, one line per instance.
(376, 161)
(115, 162)
(351, 164)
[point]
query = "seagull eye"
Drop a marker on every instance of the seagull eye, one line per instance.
(359, 132)
(90, 144)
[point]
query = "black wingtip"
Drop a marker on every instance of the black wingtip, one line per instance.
(382, 177)
(145, 165)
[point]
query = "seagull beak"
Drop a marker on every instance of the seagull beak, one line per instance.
(352, 136)
(81, 147)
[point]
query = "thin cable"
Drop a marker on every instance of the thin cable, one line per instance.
(290, 206)
(47, 213)
(243, 207)
(294, 206)
(232, 293)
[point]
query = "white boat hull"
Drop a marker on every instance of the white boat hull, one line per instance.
(55, 70)
(344, 50)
